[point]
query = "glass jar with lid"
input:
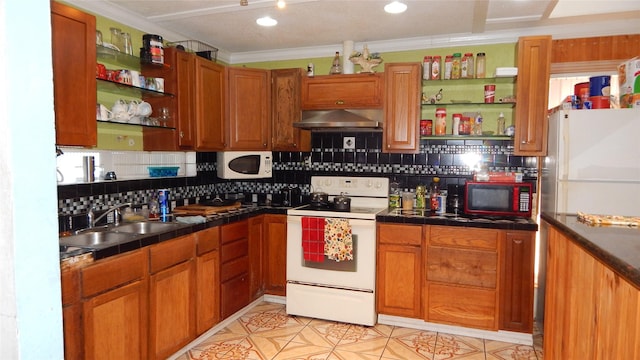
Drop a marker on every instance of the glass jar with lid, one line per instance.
(481, 65)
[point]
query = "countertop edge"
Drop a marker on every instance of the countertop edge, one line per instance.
(626, 270)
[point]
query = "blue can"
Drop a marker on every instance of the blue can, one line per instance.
(163, 203)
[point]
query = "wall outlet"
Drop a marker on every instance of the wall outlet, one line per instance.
(349, 142)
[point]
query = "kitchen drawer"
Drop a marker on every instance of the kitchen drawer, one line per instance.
(172, 252)
(411, 234)
(235, 231)
(207, 240)
(234, 268)
(114, 271)
(234, 250)
(472, 238)
(462, 306)
(462, 266)
(235, 295)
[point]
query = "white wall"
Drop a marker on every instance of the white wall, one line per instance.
(30, 305)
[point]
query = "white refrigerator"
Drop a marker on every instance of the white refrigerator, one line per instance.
(593, 162)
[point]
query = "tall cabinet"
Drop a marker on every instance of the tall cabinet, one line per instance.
(249, 104)
(74, 81)
(402, 107)
(532, 90)
(286, 86)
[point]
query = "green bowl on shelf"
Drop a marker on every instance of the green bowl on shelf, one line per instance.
(163, 171)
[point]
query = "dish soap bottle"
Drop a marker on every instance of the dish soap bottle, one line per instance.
(336, 68)
(500, 130)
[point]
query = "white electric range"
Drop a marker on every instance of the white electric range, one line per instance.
(329, 289)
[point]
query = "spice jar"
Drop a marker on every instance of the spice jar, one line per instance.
(426, 127)
(465, 126)
(467, 66)
(456, 66)
(441, 121)
(435, 67)
(426, 68)
(448, 60)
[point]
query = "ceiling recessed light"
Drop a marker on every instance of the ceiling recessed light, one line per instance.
(266, 21)
(281, 4)
(395, 7)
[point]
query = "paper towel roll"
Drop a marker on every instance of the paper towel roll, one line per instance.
(347, 49)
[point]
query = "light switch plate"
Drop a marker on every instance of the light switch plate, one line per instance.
(349, 142)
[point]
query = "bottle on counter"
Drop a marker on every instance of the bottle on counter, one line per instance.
(480, 65)
(154, 207)
(434, 191)
(501, 124)
(394, 195)
(336, 68)
(421, 197)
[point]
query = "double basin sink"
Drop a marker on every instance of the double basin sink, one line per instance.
(112, 235)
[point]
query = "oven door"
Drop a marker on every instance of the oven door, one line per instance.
(356, 274)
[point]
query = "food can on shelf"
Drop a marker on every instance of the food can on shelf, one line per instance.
(441, 121)
(152, 48)
(163, 203)
(426, 127)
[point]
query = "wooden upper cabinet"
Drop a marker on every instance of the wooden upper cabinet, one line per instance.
(358, 91)
(249, 109)
(185, 64)
(73, 45)
(210, 98)
(532, 89)
(286, 87)
(402, 107)
(600, 48)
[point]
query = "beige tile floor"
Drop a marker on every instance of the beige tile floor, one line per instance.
(266, 332)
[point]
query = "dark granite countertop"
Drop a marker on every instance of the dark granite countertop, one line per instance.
(140, 241)
(615, 246)
(422, 217)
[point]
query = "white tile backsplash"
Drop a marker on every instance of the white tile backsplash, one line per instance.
(128, 165)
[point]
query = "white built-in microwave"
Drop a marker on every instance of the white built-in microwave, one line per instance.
(244, 164)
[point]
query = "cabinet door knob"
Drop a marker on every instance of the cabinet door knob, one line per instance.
(181, 134)
(339, 102)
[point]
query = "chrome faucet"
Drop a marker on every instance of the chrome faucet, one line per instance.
(116, 214)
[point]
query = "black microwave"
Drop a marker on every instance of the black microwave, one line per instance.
(498, 198)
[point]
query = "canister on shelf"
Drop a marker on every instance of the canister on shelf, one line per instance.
(467, 66)
(455, 126)
(441, 121)
(426, 127)
(456, 66)
(435, 67)
(448, 60)
(480, 65)
(426, 68)
(465, 126)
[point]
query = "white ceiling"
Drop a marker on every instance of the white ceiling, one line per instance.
(317, 28)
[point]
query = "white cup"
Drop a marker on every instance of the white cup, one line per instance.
(143, 109)
(102, 113)
(121, 111)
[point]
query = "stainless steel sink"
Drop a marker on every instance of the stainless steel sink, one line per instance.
(95, 238)
(146, 227)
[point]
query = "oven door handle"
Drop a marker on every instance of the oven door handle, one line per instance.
(328, 286)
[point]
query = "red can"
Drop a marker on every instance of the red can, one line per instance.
(426, 127)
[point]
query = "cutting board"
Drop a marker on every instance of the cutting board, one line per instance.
(204, 210)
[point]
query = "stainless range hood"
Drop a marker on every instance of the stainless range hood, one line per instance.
(347, 119)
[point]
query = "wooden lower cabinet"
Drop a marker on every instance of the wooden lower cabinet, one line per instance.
(114, 307)
(172, 312)
(275, 254)
(207, 279)
(234, 268)
(517, 282)
(462, 276)
(399, 269)
(256, 257)
(590, 311)
(71, 314)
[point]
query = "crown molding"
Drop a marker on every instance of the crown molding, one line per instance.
(606, 28)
